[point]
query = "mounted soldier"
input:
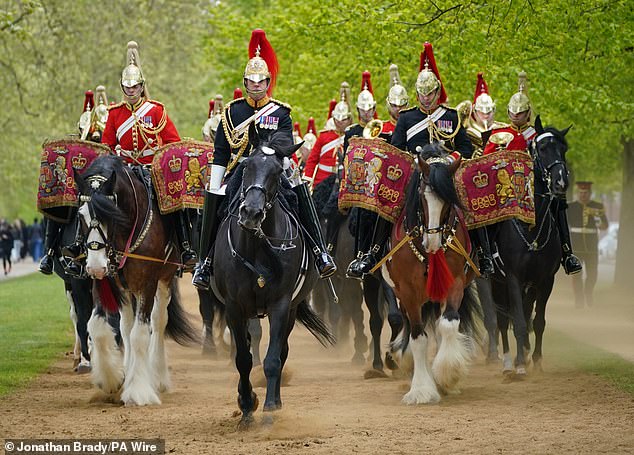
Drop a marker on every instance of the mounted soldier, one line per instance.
(520, 135)
(416, 127)
(136, 128)
(216, 106)
(396, 101)
(232, 145)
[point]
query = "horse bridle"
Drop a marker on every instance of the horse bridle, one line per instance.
(545, 170)
(443, 228)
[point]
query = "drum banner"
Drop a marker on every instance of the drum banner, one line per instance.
(497, 187)
(375, 177)
(60, 160)
(179, 173)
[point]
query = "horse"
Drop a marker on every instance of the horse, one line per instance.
(131, 257)
(261, 264)
(530, 258)
(430, 282)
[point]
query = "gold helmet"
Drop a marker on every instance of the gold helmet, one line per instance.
(428, 78)
(519, 102)
(132, 74)
(100, 114)
(262, 62)
(482, 101)
(365, 100)
(342, 108)
(397, 94)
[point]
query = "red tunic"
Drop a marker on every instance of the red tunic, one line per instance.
(522, 137)
(388, 127)
(140, 134)
(322, 161)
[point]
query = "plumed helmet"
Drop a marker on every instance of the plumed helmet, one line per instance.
(365, 100)
(519, 102)
(297, 133)
(428, 78)
(311, 134)
(262, 62)
(342, 108)
(85, 118)
(397, 94)
(331, 107)
(215, 114)
(100, 114)
(482, 101)
(132, 74)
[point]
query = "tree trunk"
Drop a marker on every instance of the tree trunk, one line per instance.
(625, 251)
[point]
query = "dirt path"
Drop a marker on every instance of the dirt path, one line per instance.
(329, 408)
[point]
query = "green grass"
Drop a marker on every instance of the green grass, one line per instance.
(562, 351)
(35, 329)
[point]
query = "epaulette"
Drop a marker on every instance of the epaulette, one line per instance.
(497, 125)
(156, 102)
(409, 109)
(234, 102)
(287, 106)
(449, 108)
(114, 106)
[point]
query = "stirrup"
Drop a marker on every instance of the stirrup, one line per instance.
(325, 264)
(46, 264)
(202, 275)
(572, 264)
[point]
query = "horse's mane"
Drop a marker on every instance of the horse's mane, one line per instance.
(555, 132)
(277, 141)
(107, 210)
(440, 179)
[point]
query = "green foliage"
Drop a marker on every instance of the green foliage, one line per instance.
(35, 328)
(578, 56)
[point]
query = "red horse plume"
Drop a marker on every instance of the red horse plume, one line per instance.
(258, 40)
(439, 277)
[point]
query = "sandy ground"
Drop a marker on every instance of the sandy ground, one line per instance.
(330, 408)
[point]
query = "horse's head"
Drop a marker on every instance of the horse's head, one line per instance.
(549, 154)
(261, 178)
(437, 194)
(99, 213)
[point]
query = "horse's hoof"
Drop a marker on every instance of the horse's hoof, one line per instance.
(83, 368)
(272, 407)
(390, 363)
(246, 422)
(493, 358)
(374, 374)
(421, 397)
(267, 420)
(520, 372)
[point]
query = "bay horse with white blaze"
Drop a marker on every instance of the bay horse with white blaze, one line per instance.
(130, 255)
(261, 264)
(429, 276)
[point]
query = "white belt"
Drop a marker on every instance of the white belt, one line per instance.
(583, 230)
(420, 126)
(330, 169)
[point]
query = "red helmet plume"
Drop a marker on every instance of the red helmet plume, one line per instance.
(428, 64)
(260, 48)
(89, 100)
(331, 108)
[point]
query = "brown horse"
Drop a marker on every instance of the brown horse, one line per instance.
(131, 256)
(429, 275)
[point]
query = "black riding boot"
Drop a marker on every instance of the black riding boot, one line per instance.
(208, 231)
(188, 255)
(310, 221)
(335, 222)
(571, 263)
(51, 236)
(485, 261)
(366, 261)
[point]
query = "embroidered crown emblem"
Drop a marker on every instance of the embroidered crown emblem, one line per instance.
(359, 154)
(175, 164)
(518, 167)
(394, 172)
(480, 180)
(79, 161)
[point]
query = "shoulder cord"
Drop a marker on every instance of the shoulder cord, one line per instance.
(234, 143)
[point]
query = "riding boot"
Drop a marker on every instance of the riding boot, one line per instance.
(310, 221)
(485, 261)
(363, 264)
(335, 222)
(571, 263)
(362, 241)
(51, 236)
(188, 255)
(208, 230)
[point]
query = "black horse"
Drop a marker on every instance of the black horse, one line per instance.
(262, 267)
(531, 257)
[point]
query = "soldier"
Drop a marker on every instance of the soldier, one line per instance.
(519, 112)
(99, 115)
(586, 218)
(53, 229)
(479, 116)
(216, 106)
(370, 226)
(322, 165)
(396, 101)
(269, 116)
(417, 126)
(137, 127)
